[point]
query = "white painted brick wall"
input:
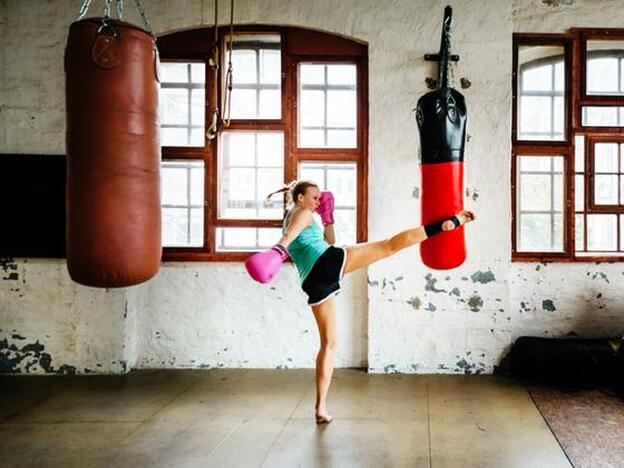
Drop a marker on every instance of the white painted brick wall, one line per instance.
(398, 319)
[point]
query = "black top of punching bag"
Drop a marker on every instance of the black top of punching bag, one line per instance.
(441, 114)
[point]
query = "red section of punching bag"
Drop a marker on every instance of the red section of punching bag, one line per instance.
(113, 226)
(443, 197)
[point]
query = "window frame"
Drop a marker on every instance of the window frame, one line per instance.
(297, 45)
(575, 54)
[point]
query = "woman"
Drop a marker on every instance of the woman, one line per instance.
(321, 265)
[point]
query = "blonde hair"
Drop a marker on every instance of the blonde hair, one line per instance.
(293, 190)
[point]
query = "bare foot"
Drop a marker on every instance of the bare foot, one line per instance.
(463, 216)
(322, 417)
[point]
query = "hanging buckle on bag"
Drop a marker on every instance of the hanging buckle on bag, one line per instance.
(106, 25)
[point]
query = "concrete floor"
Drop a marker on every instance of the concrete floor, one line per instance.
(242, 418)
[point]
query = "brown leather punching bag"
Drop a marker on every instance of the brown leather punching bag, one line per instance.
(113, 184)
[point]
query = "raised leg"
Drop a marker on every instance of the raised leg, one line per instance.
(362, 255)
(325, 316)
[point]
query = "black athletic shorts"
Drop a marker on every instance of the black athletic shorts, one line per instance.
(323, 281)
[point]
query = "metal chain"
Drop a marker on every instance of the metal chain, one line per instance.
(148, 26)
(83, 9)
(107, 9)
(229, 77)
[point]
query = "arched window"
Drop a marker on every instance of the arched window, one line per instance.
(298, 110)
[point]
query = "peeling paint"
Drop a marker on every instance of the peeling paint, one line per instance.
(599, 274)
(414, 302)
(24, 359)
(390, 369)
(7, 265)
(372, 283)
(430, 286)
(547, 304)
(455, 292)
(431, 308)
(482, 277)
(558, 3)
(475, 303)
(416, 193)
(472, 193)
(524, 307)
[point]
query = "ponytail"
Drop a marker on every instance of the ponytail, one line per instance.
(293, 189)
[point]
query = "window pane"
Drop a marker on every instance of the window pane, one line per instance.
(173, 136)
(237, 239)
(244, 105)
(341, 180)
(198, 107)
(175, 227)
(240, 148)
(174, 108)
(270, 104)
(312, 74)
(540, 198)
(601, 232)
(579, 153)
(327, 106)
(535, 233)
(182, 198)
(535, 193)
(535, 164)
(251, 165)
(538, 78)
(597, 116)
(579, 193)
(606, 190)
(341, 109)
(244, 62)
(198, 72)
(182, 104)
(270, 149)
(174, 185)
(541, 84)
(341, 75)
(579, 232)
(602, 76)
(174, 72)
(312, 112)
(256, 87)
(314, 174)
(311, 138)
(606, 157)
(604, 60)
(270, 66)
(197, 184)
(345, 227)
(341, 139)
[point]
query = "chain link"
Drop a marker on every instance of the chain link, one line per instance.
(83, 9)
(107, 9)
(141, 7)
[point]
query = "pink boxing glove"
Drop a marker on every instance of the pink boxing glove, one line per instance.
(263, 266)
(326, 208)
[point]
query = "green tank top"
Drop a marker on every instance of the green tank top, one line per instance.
(306, 249)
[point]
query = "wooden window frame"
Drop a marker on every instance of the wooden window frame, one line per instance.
(297, 45)
(575, 53)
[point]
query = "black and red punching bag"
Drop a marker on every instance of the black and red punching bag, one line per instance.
(441, 118)
(113, 227)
